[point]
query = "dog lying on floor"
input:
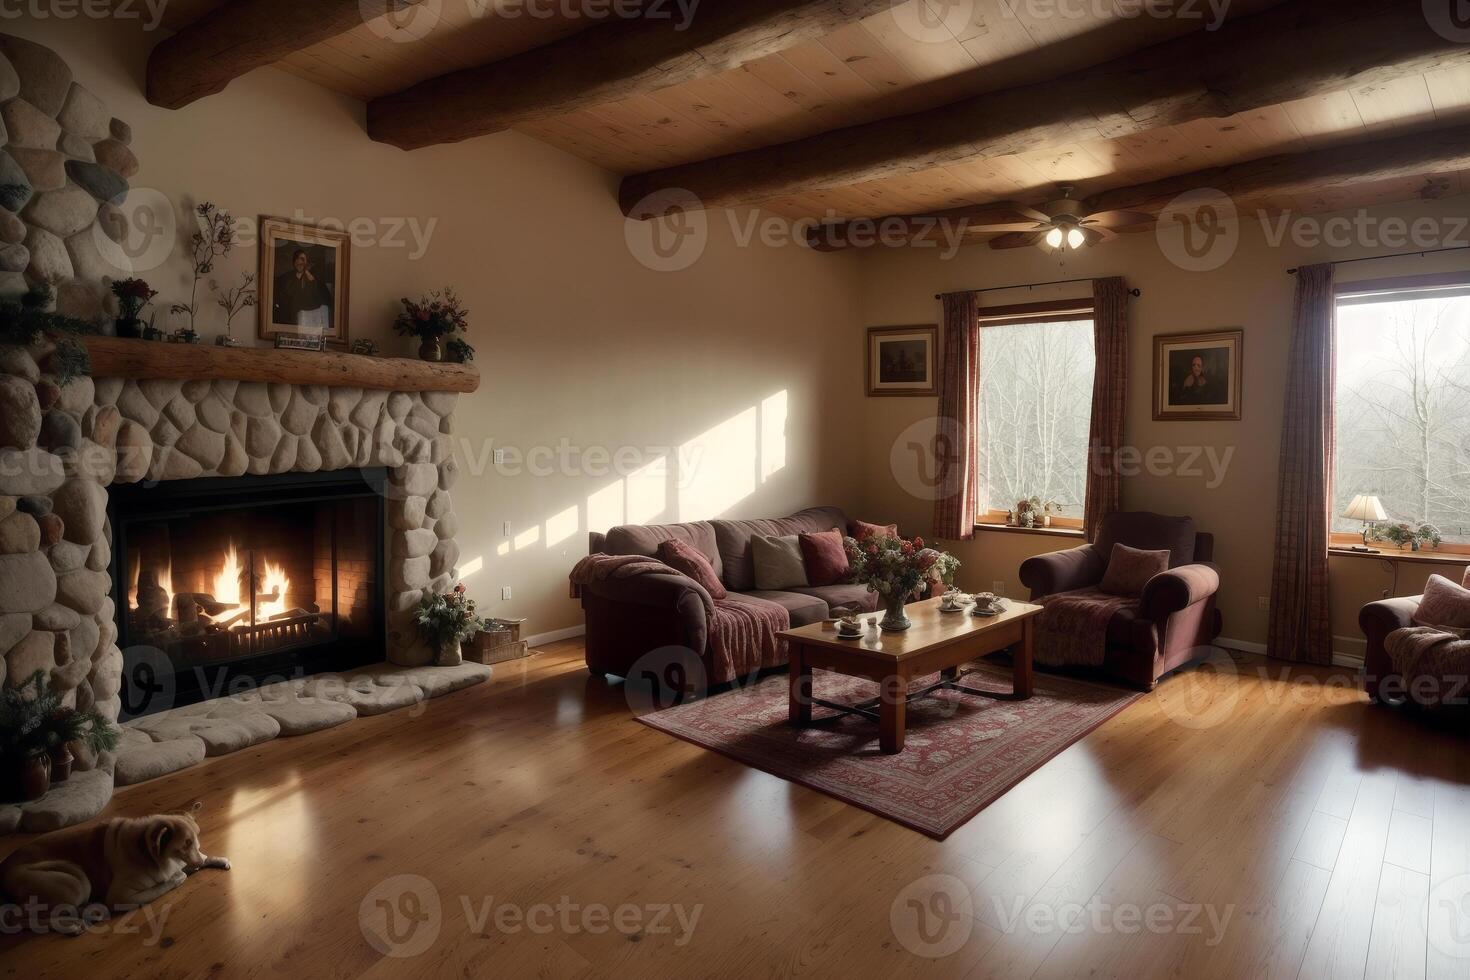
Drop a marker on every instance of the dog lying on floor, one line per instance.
(120, 863)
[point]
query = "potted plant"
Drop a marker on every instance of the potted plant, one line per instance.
(214, 239)
(240, 297)
(459, 351)
(898, 570)
(446, 621)
(29, 320)
(133, 297)
(36, 734)
(1403, 534)
(430, 319)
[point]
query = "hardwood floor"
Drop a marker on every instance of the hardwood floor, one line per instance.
(1267, 823)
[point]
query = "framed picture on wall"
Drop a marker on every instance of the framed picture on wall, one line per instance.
(1197, 376)
(902, 360)
(303, 281)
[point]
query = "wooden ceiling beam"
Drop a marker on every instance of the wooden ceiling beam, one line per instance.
(623, 58)
(241, 35)
(1413, 155)
(1294, 51)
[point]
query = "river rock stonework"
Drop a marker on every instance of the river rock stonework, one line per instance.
(57, 612)
(64, 163)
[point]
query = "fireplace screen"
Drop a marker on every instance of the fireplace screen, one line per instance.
(253, 575)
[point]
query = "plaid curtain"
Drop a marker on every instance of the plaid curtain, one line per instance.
(1300, 628)
(956, 445)
(1109, 401)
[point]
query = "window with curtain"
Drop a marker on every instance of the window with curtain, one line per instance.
(1403, 404)
(1036, 371)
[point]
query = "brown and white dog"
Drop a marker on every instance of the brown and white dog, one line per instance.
(120, 863)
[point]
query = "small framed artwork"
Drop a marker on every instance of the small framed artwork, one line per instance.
(1197, 376)
(902, 360)
(303, 281)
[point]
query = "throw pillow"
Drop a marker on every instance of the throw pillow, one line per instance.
(1129, 570)
(824, 557)
(688, 560)
(777, 562)
(862, 530)
(1445, 605)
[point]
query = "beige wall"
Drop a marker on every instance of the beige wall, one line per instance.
(1251, 291)
(745, 360)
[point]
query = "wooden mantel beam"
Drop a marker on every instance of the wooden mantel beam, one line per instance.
(1300, 49)
(1412, 155)
(622, 58)
(241, 35)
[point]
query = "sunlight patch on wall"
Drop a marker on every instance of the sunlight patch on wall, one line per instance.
(605, 507)
(560, 527)
(472, 566)
(528, 537)
(718, 467)
(774, 411)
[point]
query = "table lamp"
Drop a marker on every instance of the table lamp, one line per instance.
(1367, 509)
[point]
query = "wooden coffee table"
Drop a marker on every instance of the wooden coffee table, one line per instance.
(938, 641)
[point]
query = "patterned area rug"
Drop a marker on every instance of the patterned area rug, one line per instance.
(962, 752)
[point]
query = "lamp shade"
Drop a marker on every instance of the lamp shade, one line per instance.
(1365, 508)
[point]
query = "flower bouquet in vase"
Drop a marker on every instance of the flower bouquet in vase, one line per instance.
(898, 570)
(447, 621)
(431, 319)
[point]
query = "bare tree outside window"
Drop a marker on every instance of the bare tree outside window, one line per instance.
(1403, 410)
(1035, 412)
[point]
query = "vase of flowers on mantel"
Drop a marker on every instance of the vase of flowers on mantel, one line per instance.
(431, 319)
(898, 570)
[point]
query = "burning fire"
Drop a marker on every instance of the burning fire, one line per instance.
(270, 600)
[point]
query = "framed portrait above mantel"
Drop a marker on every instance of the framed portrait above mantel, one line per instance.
(1197, 376)
(304, 278)
(903, 360)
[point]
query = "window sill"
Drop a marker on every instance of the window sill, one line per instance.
(1057, 532)
(1391, 553)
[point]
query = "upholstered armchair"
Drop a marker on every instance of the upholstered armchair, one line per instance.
(1378, 619)
(1172, 622)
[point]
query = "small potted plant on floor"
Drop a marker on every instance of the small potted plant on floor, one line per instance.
(446, 621)
(36, 734)
(65, 726)
(431, 319)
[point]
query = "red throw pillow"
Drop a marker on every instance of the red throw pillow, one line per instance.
(688, 560)
(1445, 605)
(824, 557)
(1129, 570)
(862, 530)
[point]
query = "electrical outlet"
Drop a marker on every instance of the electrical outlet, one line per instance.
(505, 592)
(1263, 603)
(506, 529)
(998, 587)
(500, 457)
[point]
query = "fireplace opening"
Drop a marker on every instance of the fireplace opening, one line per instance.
(222, 583)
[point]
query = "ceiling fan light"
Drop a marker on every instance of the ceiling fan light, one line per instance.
(1075, 238)
(1054, 238)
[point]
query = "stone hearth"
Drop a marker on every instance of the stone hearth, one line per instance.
(62, 446)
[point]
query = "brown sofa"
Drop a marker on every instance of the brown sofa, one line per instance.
(628, 618)
(1173, 622)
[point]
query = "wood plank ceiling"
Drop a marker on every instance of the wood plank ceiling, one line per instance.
(882, 66)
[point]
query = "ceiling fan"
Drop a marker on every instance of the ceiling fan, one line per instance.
(1064, 224)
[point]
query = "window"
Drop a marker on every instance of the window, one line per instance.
(1403, 403)
(1036, 369)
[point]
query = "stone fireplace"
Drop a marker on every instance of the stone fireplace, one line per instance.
(127, 512)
